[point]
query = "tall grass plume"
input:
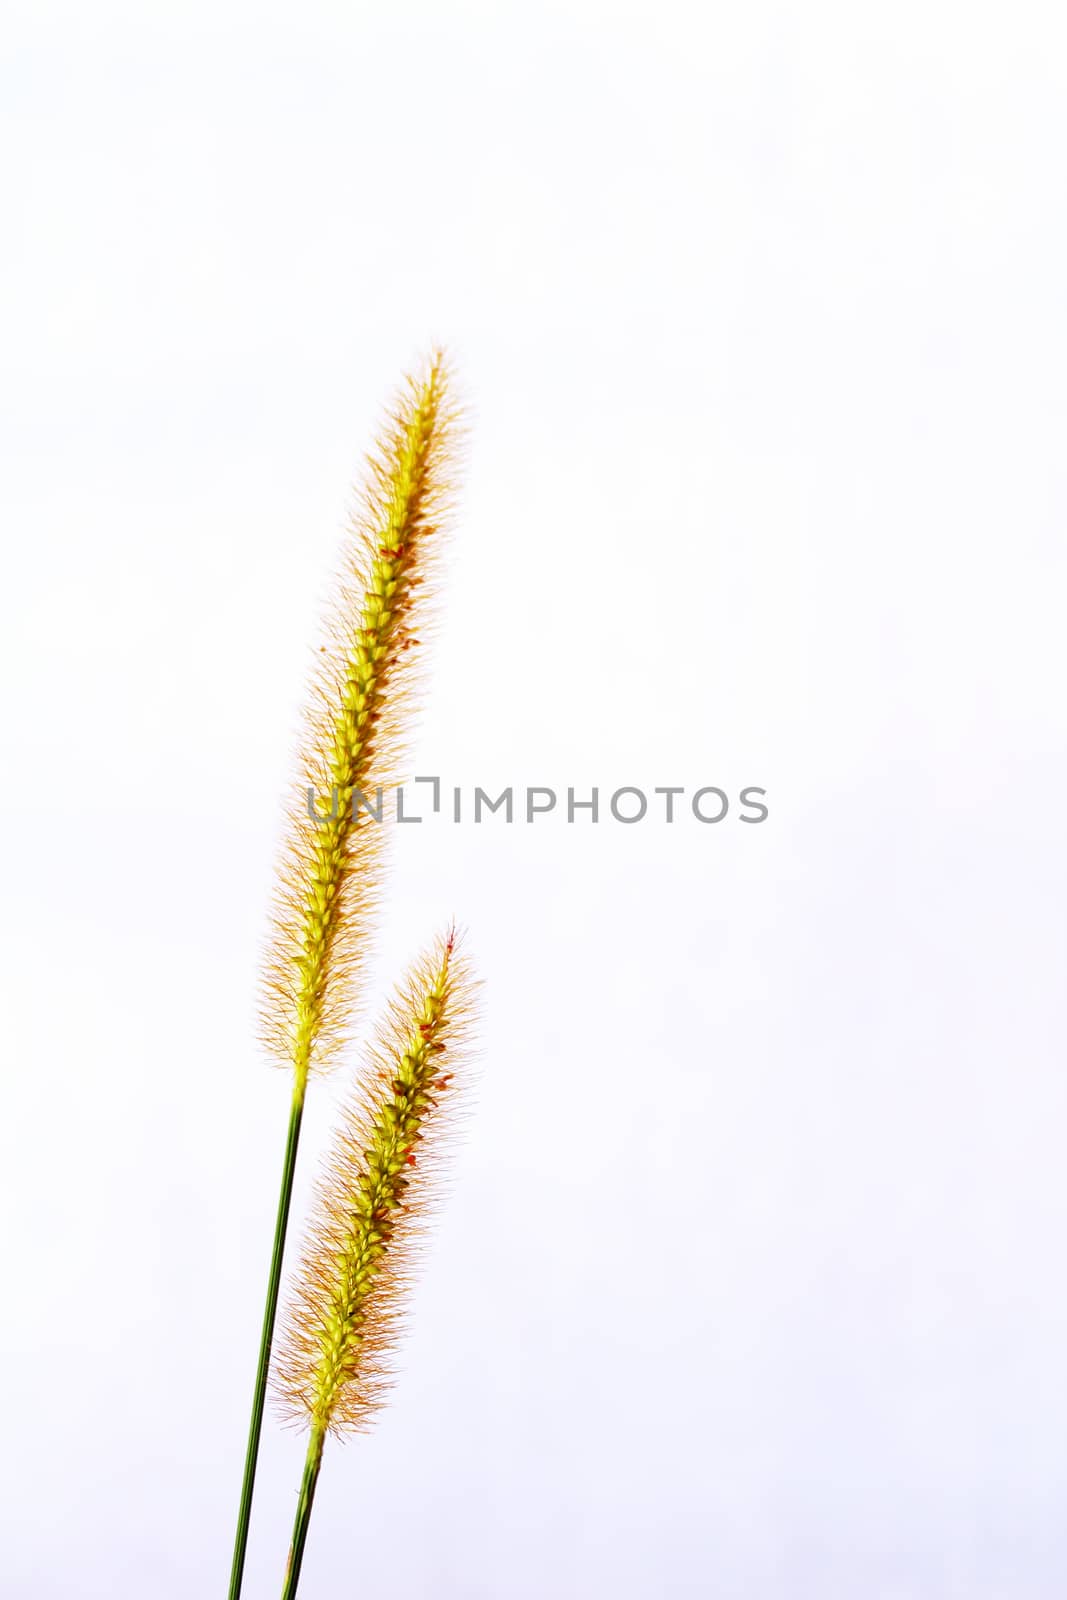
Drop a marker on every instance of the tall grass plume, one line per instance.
(354, 730)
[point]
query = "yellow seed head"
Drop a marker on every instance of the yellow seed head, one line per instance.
(354, 727)
(344, 1309)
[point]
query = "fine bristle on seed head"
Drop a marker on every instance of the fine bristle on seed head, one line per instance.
(357, 716)
(374, 1198)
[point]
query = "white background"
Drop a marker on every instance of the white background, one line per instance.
(752, 1282)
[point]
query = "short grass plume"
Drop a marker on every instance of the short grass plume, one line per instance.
(373, 1200)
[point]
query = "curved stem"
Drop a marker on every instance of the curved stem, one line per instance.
(303, 1512)
(266, 1338)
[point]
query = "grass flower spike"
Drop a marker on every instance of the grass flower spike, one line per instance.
(353, 735)
(355, 724)
(332, 1364)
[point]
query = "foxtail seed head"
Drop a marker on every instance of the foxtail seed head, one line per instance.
(344, 1309)
(327, 880)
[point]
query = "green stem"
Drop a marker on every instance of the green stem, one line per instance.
(269, 1313)
(312, 1464)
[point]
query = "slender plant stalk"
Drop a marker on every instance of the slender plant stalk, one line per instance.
(266, 1339)
(345, 1310)
(325, 898)
(312, 1464)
